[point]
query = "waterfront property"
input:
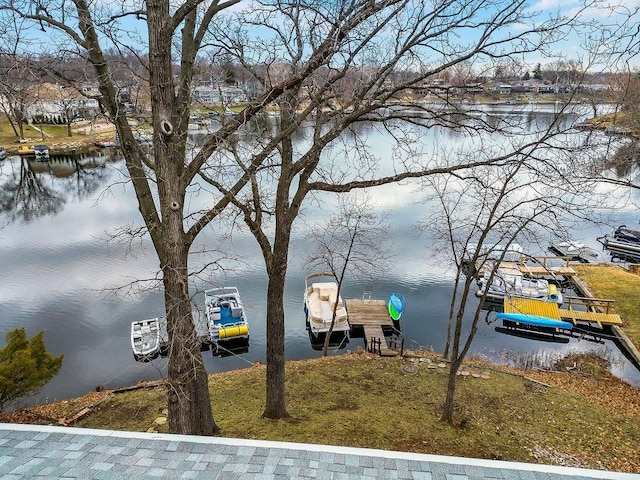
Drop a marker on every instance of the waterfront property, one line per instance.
(94, 201)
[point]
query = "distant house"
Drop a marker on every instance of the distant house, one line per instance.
(208, 93)
(54, 103)
(522, 88)
(546, 88)
(475, 88)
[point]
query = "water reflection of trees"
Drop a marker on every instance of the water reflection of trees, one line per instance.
(626, 159)
(30, 189)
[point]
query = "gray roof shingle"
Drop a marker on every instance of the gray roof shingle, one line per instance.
(41, 452)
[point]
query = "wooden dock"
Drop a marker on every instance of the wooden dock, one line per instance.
(372, 317)
(546, 266)
(597, 311)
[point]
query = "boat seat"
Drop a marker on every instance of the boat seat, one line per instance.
(236, 312)
(327, 292)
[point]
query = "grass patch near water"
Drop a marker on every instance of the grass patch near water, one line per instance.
(619, 284)
(362, 401)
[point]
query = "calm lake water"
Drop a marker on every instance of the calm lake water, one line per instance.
(58, 268)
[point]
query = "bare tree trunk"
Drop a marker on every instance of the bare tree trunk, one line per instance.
(449, 403)
(456, 360)
(452, 306)
(327, 338)
(276, 401)
(11, 122)
(188, 396)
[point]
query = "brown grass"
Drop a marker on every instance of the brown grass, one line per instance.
(363, 401)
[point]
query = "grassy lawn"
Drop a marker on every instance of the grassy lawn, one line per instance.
(51, 133)
(618, 284)
(54, 136)
(359, 400)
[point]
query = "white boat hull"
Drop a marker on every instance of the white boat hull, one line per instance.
(145, 339)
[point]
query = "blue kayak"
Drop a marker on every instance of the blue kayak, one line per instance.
(396, 305)
(534, 320)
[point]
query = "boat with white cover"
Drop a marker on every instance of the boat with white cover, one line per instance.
(510, 284)
(321, 299)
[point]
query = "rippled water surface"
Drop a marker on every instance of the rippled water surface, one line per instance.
(58, 269)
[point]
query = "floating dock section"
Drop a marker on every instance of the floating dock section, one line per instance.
(580, 310)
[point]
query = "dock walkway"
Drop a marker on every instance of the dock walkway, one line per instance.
(571, 314)
(533, 267)
(373, 318)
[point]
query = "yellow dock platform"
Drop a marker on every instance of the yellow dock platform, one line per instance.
(570, 314)
(598, 311)
(531, 306)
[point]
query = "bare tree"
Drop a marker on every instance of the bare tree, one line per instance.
(350, 242)
(323, 111)
(529, 195)
(299, 53)
(17, 82)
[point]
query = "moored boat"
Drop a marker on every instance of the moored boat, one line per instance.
(41, 152)
(514, 285)
(623, 243)
(226, 318)
(575, 250)
(321, 299)
(145, 339)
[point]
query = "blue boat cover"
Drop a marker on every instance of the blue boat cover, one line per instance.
(536, 320)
